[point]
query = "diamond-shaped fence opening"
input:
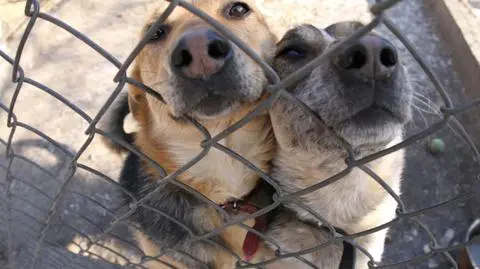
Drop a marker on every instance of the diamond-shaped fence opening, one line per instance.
(35, 223)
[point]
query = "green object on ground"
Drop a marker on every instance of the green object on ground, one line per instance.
(436, 146)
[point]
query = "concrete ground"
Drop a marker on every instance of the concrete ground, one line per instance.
(65, 64)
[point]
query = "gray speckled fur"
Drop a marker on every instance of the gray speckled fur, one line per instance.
(308, 153)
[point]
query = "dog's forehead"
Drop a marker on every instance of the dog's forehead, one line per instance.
(211, 7)
(307, 34)
(344, 28)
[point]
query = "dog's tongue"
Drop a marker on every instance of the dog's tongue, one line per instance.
(252, 240)
(250, 245)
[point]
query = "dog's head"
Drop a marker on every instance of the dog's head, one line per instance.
(362, 92)
(196, 69)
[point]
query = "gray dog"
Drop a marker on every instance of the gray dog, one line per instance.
(364, 97)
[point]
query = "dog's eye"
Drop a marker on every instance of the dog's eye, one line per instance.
(160, 33)
(238, 10)
(293, 52)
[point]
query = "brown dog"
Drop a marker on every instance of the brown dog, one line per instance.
(203, 75)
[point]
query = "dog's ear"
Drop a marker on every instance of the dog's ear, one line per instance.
(343, 29)
(114, 119)
(137, 100)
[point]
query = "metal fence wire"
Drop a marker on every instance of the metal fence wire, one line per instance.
(276, 88)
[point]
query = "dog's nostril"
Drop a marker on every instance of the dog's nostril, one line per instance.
(388, 57)
(359, 59)
(182, 58)
(218, 49)
(354, 59)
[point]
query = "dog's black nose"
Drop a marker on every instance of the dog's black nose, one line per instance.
(201, 53)
(371, 57)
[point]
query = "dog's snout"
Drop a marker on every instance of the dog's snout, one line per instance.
(371, 57)
(201, 53)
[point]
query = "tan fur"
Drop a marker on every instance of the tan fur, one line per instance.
(223, 260)
(233, 236)
(341, 195)
(173, 143)
(151, 250)
(218, 176)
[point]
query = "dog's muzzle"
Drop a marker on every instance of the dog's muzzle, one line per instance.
(201, 53)
(370, 58)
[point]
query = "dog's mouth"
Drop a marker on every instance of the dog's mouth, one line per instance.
(218, 95)
(369, 103)
(373, 116)
(215, 105)
(373, 126)
(209, 76)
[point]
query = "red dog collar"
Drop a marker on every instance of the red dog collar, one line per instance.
(252, 240)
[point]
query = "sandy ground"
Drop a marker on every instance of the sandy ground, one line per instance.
(65, 64)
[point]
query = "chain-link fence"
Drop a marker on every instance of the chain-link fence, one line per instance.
(120, 216)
